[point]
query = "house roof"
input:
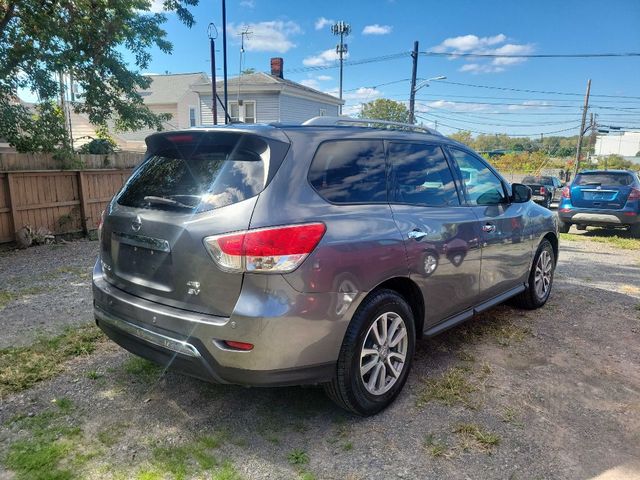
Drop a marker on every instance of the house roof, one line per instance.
(261, 81)
(170, 88)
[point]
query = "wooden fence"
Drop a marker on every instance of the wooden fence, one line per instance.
(46, 161)
(63, 201)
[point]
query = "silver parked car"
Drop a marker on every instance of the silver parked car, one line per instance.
(316, 253)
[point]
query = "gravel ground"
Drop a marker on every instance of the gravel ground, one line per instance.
(560, 387)
(50, 290)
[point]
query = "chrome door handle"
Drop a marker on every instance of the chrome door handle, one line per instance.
(416, 234)
(488, 227)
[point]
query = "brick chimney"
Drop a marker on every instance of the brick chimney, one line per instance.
(277, 67)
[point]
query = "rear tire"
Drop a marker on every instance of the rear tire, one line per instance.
(372, 368)
(634, 230)
(540, 278)
(563, 227)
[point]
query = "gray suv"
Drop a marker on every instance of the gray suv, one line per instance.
(312, 254)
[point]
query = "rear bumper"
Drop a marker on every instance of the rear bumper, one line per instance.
(599, 218)
(296, 340)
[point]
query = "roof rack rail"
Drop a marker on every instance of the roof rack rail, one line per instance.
(369, 123)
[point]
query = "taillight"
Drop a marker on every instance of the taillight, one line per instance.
(566, 192)
(100, 222)
(268, 250)
(634, 194)
(543, 191)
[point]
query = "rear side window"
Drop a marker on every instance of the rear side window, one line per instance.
(420, 175)
(350, 171)
(198, 172)
(610, 179)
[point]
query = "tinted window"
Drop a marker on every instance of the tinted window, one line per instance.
(420, 175)
(538, 180)
(350, 171)
(612, 179)
(198, 173)
(482, 186)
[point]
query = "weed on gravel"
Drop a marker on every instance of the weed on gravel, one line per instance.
(23, 367)
(8, 296)
(472, 436)
(144, 369)
(616, 239)
(453, 387)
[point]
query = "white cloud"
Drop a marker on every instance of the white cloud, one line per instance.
(247, 3)
(324, 78)
(323, 22)
(530, 105)
(310, 82)
(157, 6)
(492, 45)
(271, 36)
(323, 58)
(468, 43)
(455, 106)
(376, 29)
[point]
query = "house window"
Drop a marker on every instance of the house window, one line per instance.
(192, 116)
(323, 112)
(245, 112)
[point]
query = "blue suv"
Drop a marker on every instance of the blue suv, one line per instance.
(601, 198)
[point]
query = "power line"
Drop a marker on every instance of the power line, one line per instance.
(507, 134)
(531, 55)
(532, 91)
(474, 118)
(382, 58)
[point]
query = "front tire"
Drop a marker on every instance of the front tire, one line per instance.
(540, 278)
(376, 355)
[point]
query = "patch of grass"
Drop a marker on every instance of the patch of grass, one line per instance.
(142, 368)
(73, 271)
(64, 404)
(435, 447)
(111, 434)
(347, 446)
(473, 436)
(298, 457)
(8, 296)
(93, 375)
(466, 356)
(307, 476)
(23, 367)
(510, 415)
(53, 451)
(453, 387)
(190, 459)
(618, 239)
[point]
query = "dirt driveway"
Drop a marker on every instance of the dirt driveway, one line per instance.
(514, 394)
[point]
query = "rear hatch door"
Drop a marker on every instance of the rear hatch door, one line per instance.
(601, 190)
(191, 185)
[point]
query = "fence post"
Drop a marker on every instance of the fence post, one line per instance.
(82, 189)
(13, 203)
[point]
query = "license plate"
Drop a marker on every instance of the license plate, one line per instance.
(538, 197)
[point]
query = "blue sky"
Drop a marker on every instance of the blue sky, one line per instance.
(296, 31)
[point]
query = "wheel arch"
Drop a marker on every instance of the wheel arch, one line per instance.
(553, 240)
(410, 291)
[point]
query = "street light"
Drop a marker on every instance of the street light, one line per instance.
(415, 88)
(426, 82)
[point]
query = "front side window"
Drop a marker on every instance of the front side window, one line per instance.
(198, 173)
(420, 175)
(350, 171)
(482, 186)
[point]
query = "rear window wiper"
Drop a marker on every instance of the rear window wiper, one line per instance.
(153, 200)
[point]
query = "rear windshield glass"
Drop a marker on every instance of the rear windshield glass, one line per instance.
(198, 172)
(612, 179)
(538, 180)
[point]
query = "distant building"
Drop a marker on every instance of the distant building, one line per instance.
(253, 98)
(626, 144)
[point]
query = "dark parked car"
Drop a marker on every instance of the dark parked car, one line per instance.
(317, 253)
(602, 198)
(545, 189)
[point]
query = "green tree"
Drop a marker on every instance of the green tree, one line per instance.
(39, 130)
(85, 38)
(463, 136)
(385, 109)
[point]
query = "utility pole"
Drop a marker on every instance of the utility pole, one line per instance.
(213, 34)
(584, 118)
(244, 33)
(343, 29)
(412, 93)
(594, 127)
(224, 59)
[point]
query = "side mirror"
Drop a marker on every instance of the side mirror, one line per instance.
(520, 193)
